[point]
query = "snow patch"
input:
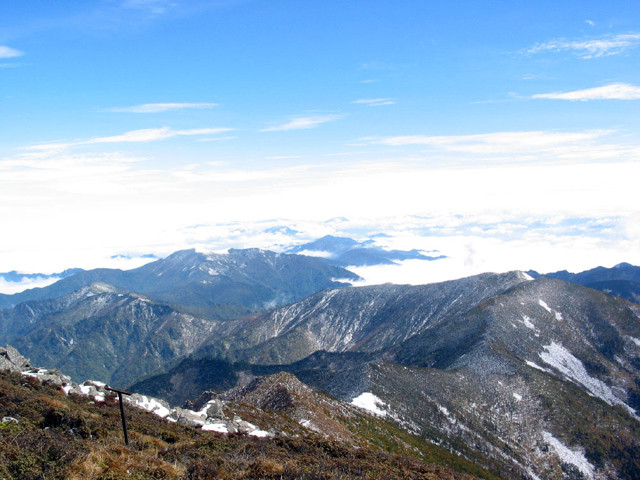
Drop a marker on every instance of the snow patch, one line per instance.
(316, 253)
(558, 316)
(256, 432)
(573, 457)
(153, 406)
(527, 322)
(635, 340)
(535, 365)
(215, 427)
(368, 401)
(563, 360)
(517, 396)
(544, 305)
(85, 389)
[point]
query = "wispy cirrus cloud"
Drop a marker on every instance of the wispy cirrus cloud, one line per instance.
(162, 107)
(155, 7)
(522, 146)
(303, 123)
(614, 91)
(133, 136)
(375, 102)
(591, 48)
(497, 141)
(8, 52)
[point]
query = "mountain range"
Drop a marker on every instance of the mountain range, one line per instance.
(346, 252)
(208, 283)
(509, 380)
(525, 375)
(622, 280)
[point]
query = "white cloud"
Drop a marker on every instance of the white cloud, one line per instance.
(303, 122)
(28, 283)
(8, 52)
(161, 107)
(107, 203)
(133, 136)
(154, 134)
(594, 48)
(615, 91)
(375, 102)
(523, 146)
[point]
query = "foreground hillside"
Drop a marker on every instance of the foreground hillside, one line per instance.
(54, 436)
(48, 431)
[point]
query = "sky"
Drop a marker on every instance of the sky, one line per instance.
(501, 134)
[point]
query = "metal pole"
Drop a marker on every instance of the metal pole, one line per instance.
(124, 418)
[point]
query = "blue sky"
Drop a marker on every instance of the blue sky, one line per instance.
(485, 130)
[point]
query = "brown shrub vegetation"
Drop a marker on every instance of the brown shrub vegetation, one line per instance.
(72, 438)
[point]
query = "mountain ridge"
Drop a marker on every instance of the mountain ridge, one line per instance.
(250, 278)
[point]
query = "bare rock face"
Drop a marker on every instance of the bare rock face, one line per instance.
(10, 359)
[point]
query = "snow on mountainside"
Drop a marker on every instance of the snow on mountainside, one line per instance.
(363, 319)
(495, 367)
(529, 378)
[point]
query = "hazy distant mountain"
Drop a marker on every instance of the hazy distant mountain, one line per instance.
(252, 278)
(347, 252)
(622, 280)
(17, 277)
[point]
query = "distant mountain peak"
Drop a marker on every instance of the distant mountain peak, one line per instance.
(346, 252)
(101, 287)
